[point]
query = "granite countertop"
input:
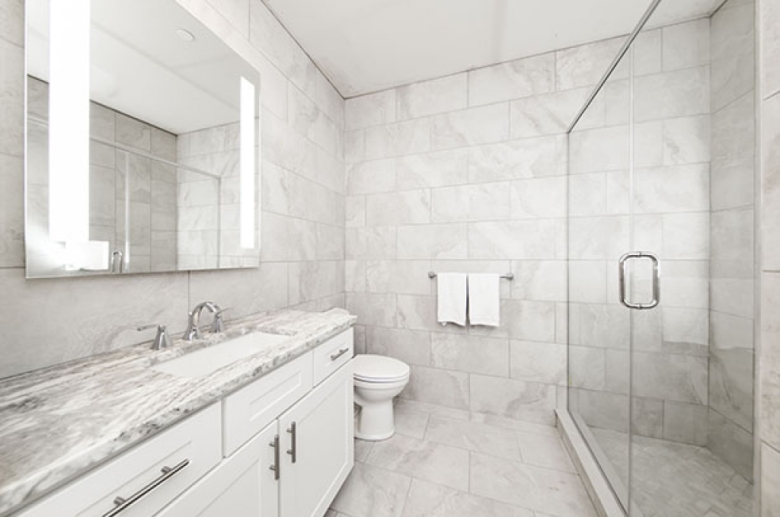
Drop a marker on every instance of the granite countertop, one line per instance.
(58, 422)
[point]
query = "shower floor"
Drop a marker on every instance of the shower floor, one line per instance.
(677, 480)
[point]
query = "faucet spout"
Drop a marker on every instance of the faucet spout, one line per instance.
(193, 319)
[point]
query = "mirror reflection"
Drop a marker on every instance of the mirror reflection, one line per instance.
(142, 139)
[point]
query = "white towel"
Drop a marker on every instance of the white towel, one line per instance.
(452, 298)
(484, 299)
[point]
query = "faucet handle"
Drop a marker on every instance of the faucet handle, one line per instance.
(218, 325)
(161, 340)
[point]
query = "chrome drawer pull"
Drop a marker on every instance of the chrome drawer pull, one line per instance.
(123, 504)
(275, 466)
(293, 430)
(338, 354)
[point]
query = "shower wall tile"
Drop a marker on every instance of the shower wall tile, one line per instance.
(672, 94)
(585, 65)
(731, 442)
(770, 481)
(371, 110)
(431, 97)
(537, 362)
(472, 126)
(546, 114)
(677, 378)
(512, 80)
(530, 401)
(686, 45)
(685, 423)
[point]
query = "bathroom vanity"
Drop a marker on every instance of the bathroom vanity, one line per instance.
(131, 433)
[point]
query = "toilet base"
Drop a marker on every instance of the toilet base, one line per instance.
(375, 421)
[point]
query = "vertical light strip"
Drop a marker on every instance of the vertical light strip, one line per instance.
(247, 164)
(69, 120)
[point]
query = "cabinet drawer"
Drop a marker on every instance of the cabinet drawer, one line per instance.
(331, 355)
(190, 448)
(250, 409)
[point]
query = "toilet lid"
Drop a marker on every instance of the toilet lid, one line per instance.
(379, 368)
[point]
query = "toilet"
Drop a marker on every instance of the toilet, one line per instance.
(378, 379)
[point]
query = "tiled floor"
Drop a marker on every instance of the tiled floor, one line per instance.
(450, 463)
(677, 480)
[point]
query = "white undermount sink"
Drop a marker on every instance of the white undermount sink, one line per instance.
(214, 357)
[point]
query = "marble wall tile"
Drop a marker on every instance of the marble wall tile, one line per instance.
(538, 198)
(647, 52)
(728, 184)
(541, 280)
(679, 378)
(470, 354)
(685, 423)
(733, 129)
(306, 117)
(402, 138)
(482, 202)
(373, 308)
(512, 80)
(647, 417)
(371, 177)
(593, 150)
(11, 99)
(438, 241)
(537, 362)
(410, 346)
(686, 45)
(518, 159)
(522, 400)
(437, 386)
(601, 409)
(592, 238)
(731, 385)
(587, 368)
(398, 276)
(770, 219)
(407, 207)
(672, 189)
(419, 313)
(769, 15)
(585, 65)
(472, 126)
(770, 481)
(686, 140)
(438, 169)
(431, 97)
(769, 370)
(12, 25)
(11, 211)
(546, 114)
(513, 239)
(672, 94)
(731, 443)
(371, 110)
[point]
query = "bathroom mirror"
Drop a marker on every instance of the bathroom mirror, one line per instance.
(142, 142)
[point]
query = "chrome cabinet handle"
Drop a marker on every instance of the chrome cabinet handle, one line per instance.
(275, 466)
(656, 280)
(123, 504)
(338, 354)
(294, 450)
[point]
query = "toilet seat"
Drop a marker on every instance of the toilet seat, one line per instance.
(379, 369)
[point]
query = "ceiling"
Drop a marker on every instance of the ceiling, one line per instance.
(364, 46)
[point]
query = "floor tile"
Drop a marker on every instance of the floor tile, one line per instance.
(410, 422)
(474, 437)
(511, 423)
(560, 494)
(362, 449)
(372, 492)
(544, 451)
(430, 461)
(460, 414)
(431, 500)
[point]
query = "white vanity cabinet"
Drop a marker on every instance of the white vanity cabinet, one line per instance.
(281, 446)
(319, 438)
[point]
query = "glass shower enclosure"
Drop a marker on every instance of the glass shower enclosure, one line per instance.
(661, 265)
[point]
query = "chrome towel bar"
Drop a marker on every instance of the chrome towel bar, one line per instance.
(507, 276)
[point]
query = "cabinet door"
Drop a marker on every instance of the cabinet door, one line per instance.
(243, 485)
(318, 446)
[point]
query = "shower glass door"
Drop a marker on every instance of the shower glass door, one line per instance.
(661, 358)
(599, 326)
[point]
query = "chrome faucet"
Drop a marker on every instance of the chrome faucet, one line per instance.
(193, 330)
(161, 340)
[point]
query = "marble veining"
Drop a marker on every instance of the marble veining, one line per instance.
(60, 421)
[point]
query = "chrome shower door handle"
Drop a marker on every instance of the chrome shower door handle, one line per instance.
(656, 280)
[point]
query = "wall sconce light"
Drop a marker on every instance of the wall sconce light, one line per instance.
(69, 120)
(247, 164)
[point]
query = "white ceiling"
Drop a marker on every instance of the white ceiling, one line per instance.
(368, 45)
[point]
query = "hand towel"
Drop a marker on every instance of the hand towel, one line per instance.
(484, 299)
(452, 298)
